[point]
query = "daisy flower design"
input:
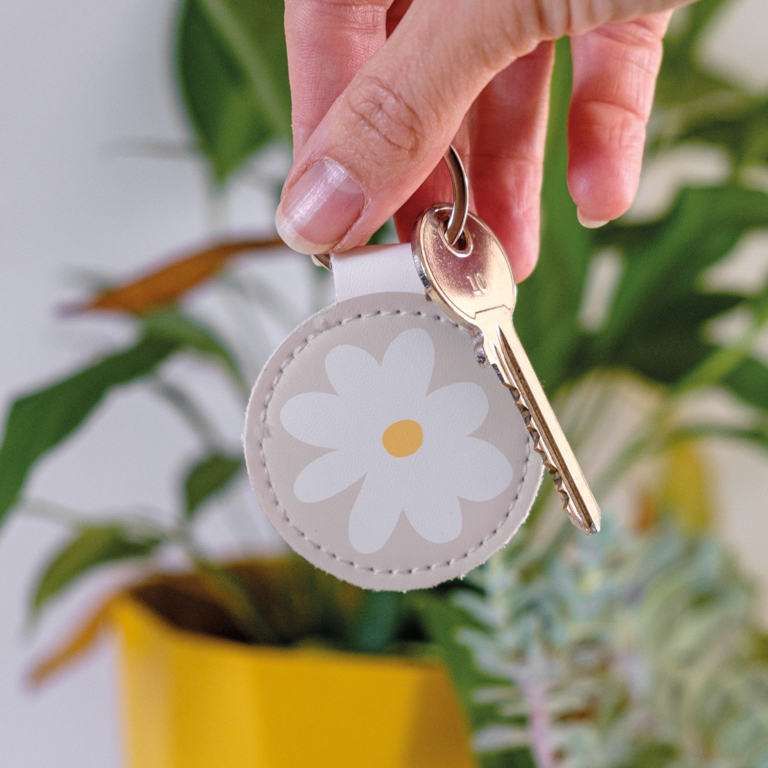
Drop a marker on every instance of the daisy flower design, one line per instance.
(414, 448)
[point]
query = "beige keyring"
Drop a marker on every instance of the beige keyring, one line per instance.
(383, 358)
(459, 209)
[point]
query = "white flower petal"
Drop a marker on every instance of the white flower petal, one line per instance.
(457, 409)
(375, 514)
(408, 363)
(320, 419)
(478, 471)
(353, 373)
(328, 475)
(436, 517)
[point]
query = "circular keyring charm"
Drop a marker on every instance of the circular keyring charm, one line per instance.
(378, 447)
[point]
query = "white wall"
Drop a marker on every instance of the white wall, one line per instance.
(77, 81)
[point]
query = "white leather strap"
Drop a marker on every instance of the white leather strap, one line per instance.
(375, 269)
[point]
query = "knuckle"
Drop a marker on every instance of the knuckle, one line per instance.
(551, 18)
(520, 26)
(634, 34)
(384, 114)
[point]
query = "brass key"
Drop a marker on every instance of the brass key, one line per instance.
(472, 283)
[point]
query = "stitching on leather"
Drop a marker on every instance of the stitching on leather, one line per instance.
(343, 561)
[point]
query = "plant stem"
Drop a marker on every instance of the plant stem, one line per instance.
(192, 414)
(52, 513)
(539, 726)
(131, 521)
(250, 333)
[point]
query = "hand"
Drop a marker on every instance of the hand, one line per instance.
(381, 87)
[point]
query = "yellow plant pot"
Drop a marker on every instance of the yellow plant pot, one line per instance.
(193, 701)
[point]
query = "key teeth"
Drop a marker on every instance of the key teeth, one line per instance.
(538, 446)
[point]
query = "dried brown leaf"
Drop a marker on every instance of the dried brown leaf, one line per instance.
(166, 285)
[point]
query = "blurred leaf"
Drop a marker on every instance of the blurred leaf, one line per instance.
(209, 477)
(665, 259)
(656, 321)
(757, 435)
(233, 77)
(39, 421)
(696, 20)
(81, 640)
(377, 622)
(166, 285)
(234, 593)
(654, 756)
(91, 547)
(668, 344)
(737, 126)
(179, 328)
(749, 382)
(682, 77)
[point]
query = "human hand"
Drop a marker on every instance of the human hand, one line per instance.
(381, 87)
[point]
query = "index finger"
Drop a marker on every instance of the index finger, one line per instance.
(328, 41)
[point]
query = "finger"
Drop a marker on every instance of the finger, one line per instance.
(328, 41)
(614, 76)
(508, 137)
(436, 188)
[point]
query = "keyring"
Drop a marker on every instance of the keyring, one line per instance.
(459, 210)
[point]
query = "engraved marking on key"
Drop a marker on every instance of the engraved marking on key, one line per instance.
(476, 288)
(478, 283)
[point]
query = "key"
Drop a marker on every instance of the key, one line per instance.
(472, 282)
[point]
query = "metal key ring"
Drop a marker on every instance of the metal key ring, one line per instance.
(459, 209)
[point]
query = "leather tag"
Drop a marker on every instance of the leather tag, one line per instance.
(378, 447)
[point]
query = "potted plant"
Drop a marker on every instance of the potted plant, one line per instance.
(637, 647)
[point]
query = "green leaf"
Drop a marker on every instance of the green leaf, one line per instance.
(39, 421)
(668, 344)
(233, 76)
(654, 756)
(682, 78)
(757, 436)
(91, 547)
(209, 477)
(739, 127)
(684, 38)
(656, 322)
(666, 259)
(749, 382)
(377, 623)
(177, 327)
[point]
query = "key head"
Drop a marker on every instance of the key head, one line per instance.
(470, 277)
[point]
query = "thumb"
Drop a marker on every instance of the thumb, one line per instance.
(385, 133)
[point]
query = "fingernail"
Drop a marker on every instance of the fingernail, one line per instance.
(589, 223)
(319, 208)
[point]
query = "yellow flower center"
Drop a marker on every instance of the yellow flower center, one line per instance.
(403, 438)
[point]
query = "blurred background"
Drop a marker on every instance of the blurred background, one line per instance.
(97, 181)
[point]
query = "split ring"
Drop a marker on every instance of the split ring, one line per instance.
(459, 209)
